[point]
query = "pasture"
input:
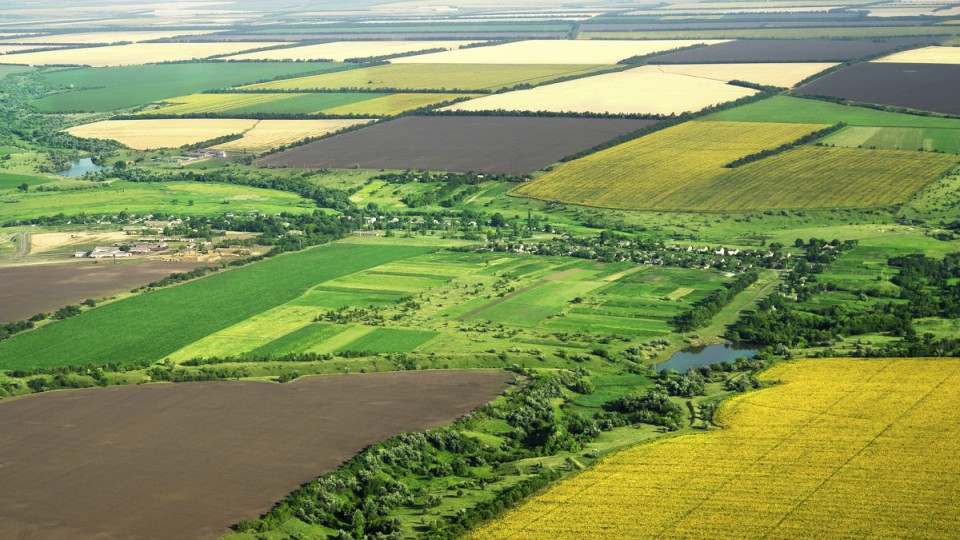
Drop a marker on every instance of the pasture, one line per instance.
(784, 75)
(928, 87)
(775, 50)
(926, 55)
(109, 89)
(552, 51)
(338, 51)
(172, 438)
(268, 134)
(836, 451)
(643, 90)
(136, 54)
(156, 324)
(488, 77)
(463, 143)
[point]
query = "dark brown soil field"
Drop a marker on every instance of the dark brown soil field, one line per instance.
(28, 290)
(928, 87)
(490, 144)
(790, 50)
(186, 461)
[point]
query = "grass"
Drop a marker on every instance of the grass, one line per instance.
(389, 340)
(109, 89)
(150, 326)
(12, 181)
(433, 77)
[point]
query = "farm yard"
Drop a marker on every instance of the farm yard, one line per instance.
(478, 143)
(772, 50)
(136, 54)
(833, 452)
(338, 51)
(552, 52)
(182, 430)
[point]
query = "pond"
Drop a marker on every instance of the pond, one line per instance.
(81, 167)
(704, 356)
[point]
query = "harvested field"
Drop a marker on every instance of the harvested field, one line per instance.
(129, 458)
(28, 290)
(343, 50)
(483, 143)
(135, 54)
(267, 134)
(433, 77)
(773, 50)
(929, 87)
(926, 55)
(552, 51)
(151, 134)
(843, 448)
(643, 90)
(93, 38)
(784, 75)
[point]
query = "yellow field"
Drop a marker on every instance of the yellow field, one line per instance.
(845, 448)
(267, 134)
(233, 103)
(7, 49)
(135, 54)
(681, 168)
(394, 104)
(926, 55)
(643, 90)
(339, 51)
(91, 38)
(784, 75)
(553, 51)
(434, 77)
(215, 103)
(152, 134)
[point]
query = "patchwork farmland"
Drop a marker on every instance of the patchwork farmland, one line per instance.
(553, 52)
(340, 51)
(772, 50)
(136, 54)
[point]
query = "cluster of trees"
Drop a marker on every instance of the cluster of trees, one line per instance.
(704, 310)
(655, 407)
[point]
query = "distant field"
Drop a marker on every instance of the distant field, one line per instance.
(12, 180)
(771, 50)
(784, 75)
(643, 90)
(897, 138)
(551, 51)
(833, 452)
(108, 89)
(394, 104)
(152, 134)
(482, 143)
(339, 51)
(92, 38)
(7, 49)
(7, 70)
(782, 33)
(328, 103)
(136, 54)
(926, 55)
(267, 134)
(151, 326)
(929, 87)
(432, 76)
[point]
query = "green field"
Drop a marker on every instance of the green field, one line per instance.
(137, 197)
(389, 340)
(9, 69)
(113, 88)
(487, 77)
(897, 138)
(12, 181)
(150, 326)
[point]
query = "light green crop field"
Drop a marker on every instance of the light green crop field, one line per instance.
(897, 138)
(434, 77)
(10, 181)
(150, 326)
(390, 340)
(136, 197)
(247, 103)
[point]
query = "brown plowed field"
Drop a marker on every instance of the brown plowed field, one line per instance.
(28, 290)
(186, 461)
(490, 144)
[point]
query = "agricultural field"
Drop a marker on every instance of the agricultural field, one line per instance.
(927, 87)
(9, 49)
(153, 134)
(136, 54)
(489, 77)
(552, 51)
(773, 50)
(105, 38)
(926, 55)
(829, 32)
(784, 75)
(269, 134)
(462, 143)
(108, 89)
(643, 90)
(338, 51)
(183, 429)
(394, 104)
(832, 452)
(632, 174)
(897, 138)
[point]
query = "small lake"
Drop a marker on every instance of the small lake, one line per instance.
(80, 168)
(704, 356)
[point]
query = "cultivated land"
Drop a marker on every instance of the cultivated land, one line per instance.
(142, 448)
(339, 51)
(833, 452)
(153, 134)
(28, 290)
(847, 32)
(136, 54)
(107, 89)
(434, 77)
(927, 87)
(784, 75)
(773, 50)
(395, 104)
(93, 38)
(643, 90)
(896, 138)
(926, 55)
(552, 52)
(644, 173)
(481, 143)
(267, 134)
